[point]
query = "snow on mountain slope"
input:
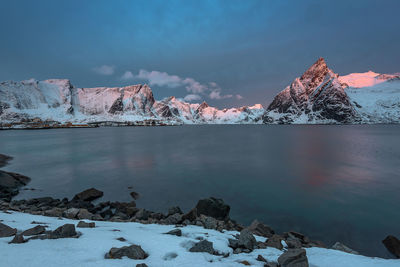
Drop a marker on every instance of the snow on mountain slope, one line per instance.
(366, 79)
(58, 100)
(316, 97)
(379, 103)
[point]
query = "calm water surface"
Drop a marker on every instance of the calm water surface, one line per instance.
(333, 183)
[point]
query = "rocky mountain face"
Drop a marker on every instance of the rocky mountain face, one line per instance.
(316, 97)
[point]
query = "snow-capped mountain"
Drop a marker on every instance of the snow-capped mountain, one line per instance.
(321, 96)
(316, 97)
(59, 100)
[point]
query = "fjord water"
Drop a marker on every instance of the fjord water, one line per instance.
(333, 183)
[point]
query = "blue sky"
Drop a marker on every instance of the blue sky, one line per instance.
(228, 48)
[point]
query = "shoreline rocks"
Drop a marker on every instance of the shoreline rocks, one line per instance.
(393, 245)
(10, 182)
(210, 213)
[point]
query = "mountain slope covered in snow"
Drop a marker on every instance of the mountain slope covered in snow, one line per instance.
(58, 100)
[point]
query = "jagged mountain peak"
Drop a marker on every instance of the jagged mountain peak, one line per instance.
(317, 95)
(203, 105)
(315, 74)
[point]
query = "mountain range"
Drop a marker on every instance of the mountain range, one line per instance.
(319, 96)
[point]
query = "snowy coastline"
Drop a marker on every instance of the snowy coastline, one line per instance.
(164, 250)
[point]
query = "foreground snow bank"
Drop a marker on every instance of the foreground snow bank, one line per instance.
(164, 250)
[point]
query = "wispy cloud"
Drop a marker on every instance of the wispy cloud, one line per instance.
(192, 97)
(127, 76)
(104, 70)
(195, 88)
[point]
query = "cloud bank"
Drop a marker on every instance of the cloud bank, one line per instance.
(195, 89)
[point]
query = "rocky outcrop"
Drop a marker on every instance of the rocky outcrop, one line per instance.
(10, 182)
(393, 245)
(316, 97)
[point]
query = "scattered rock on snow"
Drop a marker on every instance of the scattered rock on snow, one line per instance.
(71, 213)
(84, 214)
(246, 240)
(134, 252)
(64, 231)
(393, 245)
(177, 232)
(141, 265)
(203, 246)
(6, 231)
(275, 241)
(261, 258)
(293, 258)
(18, 239)
(37, 230)
(83, 224)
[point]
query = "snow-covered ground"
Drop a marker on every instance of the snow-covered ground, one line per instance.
(164, 250)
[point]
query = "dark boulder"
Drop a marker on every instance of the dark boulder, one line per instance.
(83, 224)
(10, 183)
(4, 159)
(134, 252)
(213, 207)
(176, 232)
(203, 246)
(247, 240)
(173, 219)
(190, 216)
(37, 230)
(173, 210)
(6, 231)
(293, 258)
(141, 265)
(64, 231)
(88, 195)
(18, 239)
(134, 195)
(261, 229)
(393, 245)
(275, 242)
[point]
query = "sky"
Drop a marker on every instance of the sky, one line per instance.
(225, 52)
